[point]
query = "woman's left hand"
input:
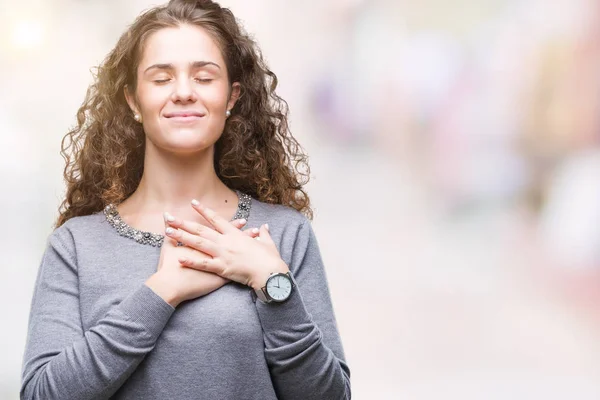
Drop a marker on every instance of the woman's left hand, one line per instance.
(235, 255)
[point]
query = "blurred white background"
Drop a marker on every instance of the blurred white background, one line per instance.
(455, 153)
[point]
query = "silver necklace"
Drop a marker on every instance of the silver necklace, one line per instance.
(156, 239)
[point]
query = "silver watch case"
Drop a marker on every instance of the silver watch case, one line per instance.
(263, 295)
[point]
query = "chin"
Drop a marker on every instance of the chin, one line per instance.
(184, 140)
(188, 142)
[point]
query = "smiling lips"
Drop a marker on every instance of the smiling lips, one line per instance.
(184, 116)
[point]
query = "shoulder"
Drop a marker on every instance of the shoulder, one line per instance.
(63, 245)
(278, 216)
(80, 228)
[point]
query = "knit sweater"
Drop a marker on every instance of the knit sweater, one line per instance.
(96, 331)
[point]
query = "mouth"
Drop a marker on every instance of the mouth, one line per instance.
(184, 116)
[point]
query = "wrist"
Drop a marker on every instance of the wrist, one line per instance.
(163, 290)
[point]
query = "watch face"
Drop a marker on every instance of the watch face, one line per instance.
(279, 287)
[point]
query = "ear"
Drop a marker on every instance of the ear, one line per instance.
(234, 96)
(130, 97)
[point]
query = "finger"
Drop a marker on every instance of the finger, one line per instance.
(194, 228)
(179, 223)
(194, 241)
(168, 241)
(201, 264)
(264, 235)
(199, 229)
(218, 222)
(239, 223)
(254, 232)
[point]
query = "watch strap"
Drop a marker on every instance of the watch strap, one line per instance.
(261, 295)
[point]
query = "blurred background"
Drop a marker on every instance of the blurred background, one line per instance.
(455, 153)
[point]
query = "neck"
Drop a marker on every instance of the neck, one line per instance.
(170, 182)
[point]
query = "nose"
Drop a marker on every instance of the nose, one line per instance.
(183, 91)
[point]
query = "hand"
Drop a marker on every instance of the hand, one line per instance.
(231, 254)
(175, 283)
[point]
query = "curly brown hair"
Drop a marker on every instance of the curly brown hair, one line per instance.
(256, 153)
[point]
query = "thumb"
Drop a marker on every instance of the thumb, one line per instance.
(167, 241)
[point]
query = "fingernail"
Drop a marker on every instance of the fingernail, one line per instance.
(267, 226)
(170, 230)
(243, 221)
(169, 217)
(195, 202)
(255, 230)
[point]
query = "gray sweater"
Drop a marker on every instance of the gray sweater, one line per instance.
(96, 331)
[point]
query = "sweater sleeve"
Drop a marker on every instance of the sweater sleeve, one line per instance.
(302, 344)
(61, 360)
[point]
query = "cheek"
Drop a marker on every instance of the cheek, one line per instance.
(152, 99)
(215, 98)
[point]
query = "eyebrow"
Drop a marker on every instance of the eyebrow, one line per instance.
(195, 64)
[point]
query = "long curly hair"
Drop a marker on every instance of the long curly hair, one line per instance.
(256, 153)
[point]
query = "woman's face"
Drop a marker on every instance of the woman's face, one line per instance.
(182, 89)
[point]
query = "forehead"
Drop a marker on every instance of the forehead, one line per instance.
(180, 46)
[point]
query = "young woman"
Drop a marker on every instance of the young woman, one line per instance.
(149, 288)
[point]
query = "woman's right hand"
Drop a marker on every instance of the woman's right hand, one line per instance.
(176, 283)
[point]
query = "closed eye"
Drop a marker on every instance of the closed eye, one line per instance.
(161, 80)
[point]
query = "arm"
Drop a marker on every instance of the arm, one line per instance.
(61, 361)
(302, 344)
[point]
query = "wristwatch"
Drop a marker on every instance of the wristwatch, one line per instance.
(278, 288)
